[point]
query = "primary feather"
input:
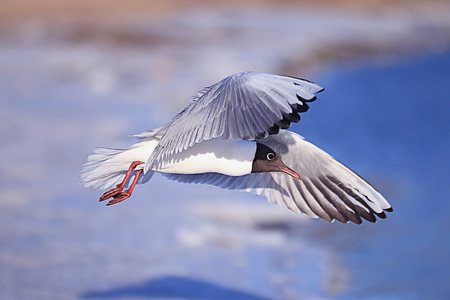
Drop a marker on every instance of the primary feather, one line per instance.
(327, 188)
(242, 106)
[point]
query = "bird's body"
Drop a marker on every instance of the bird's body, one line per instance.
(229, 136)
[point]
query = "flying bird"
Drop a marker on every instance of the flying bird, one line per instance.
(232, 135)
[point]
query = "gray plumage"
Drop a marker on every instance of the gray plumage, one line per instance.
(242, 106)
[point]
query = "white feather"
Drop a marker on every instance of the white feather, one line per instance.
(233, 158)
(106, 167)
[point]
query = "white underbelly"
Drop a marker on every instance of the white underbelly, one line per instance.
(233, 158)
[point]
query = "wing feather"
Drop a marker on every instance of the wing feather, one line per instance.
(242, 106)
(342, 194)
(328, 189)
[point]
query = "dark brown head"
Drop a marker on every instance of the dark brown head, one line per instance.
(266, 160)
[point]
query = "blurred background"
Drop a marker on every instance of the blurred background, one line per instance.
(79, 74)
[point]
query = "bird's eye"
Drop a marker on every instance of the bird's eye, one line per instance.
(271, 156)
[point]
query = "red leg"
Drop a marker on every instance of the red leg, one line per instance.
(115, 191)
(126, 194)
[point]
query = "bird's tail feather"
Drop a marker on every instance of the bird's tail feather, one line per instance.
(107, 167)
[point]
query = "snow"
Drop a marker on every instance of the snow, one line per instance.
(61, 98)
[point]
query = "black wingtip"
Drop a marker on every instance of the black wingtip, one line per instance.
(301, 107)
(301, 99)
(274, 129)
(306, 80)
(381, 215)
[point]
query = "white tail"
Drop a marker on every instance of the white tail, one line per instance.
(106, 167)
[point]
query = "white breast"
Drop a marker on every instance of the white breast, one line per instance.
(227, 157)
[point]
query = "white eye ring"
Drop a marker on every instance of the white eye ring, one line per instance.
(270, 156)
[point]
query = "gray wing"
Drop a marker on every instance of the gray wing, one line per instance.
(327, 188)
(247, 106)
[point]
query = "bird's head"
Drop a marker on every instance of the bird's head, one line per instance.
(267, 160)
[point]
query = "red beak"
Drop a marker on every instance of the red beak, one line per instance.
(289, 171)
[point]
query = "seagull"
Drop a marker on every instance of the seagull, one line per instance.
(232, 135)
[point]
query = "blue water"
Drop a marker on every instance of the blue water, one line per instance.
(391, 124)
(388, 122)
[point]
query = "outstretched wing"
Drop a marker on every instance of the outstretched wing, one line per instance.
(247, 106)
(327, 188)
